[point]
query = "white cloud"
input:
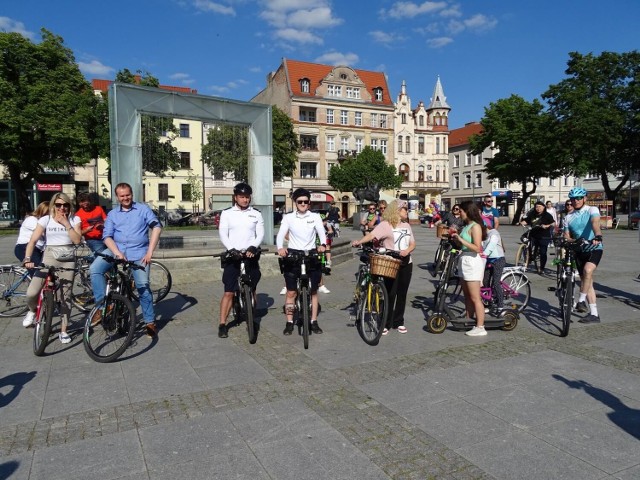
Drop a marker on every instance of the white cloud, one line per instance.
(337, 58)
(183, 78)
(452, 11)
(95, 68)
(209, 6)
(411, 9)
(316, 18)
(430, 29)
(255, 69)
(480, 23)
(295, 21)
(455, 26)
(9, 25)
(298, 36)
(385, 37)
(219, 89)
(439, 42)
(227, 87)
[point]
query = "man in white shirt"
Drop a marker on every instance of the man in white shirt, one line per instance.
(302, 226)
(241, 227)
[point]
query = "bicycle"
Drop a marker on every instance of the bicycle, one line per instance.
(527, 252)
(111, 324)
(371, 299)
(565, 279)
(441, 255)
(244, 296)
(47, 301)
(14, 281)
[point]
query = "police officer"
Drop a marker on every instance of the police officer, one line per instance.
(302, 227)
(241, 228)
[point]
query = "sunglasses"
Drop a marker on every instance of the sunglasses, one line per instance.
(577, 199)
(302, 202)
(488, 201)
(61, 205)
(455, 210)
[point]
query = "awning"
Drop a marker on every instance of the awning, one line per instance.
(321, 197)
(503, 193)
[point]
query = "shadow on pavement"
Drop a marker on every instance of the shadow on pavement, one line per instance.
(16, 381)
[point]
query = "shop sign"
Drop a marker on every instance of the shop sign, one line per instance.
(49, 187)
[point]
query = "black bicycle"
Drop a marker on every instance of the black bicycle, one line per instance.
(111, 324)
(244, 296)
(14, 281)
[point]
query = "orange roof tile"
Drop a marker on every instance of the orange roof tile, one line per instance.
(315, 72)
(460, 136)
(103, 86)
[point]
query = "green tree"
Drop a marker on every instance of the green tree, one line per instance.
(195, 189)
(367, 168)
(520, 133)
(596, 114)
(47, 111)
(285, 145)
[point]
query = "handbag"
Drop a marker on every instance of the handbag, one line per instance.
(62, 253)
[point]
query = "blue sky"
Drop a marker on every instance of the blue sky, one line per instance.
(482, 50)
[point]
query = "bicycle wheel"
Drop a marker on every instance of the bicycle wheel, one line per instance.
(44, 321)
(522, 256)
(81, 290)
(516, 290)
(567, 306)
(304, 314)
(373, 314)
(247, 297)
(438, 260)
(14, 282)
(113, 332)
(453, 298)
(160, 282)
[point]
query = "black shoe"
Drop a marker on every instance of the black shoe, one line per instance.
(223, 330)
(590, 319)
(315, 328)
(582, 307)
(288, 329)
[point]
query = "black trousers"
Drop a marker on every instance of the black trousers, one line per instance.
(397, 289)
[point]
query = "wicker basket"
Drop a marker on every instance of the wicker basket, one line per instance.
(385, 266)
(442, 231)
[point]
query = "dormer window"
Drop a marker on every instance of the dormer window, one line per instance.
(304, 85)
(377, 93)
(334, 90)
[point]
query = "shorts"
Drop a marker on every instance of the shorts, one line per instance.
(594, 256)
(291, 270)
(232, 272)
(471, 267)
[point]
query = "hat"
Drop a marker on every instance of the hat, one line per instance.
(402, 204)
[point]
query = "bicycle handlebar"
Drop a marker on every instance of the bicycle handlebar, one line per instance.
(237, 254)
(378, 251)
(120, 261)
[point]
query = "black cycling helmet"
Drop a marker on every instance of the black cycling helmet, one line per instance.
(300, 192)
(242, 189)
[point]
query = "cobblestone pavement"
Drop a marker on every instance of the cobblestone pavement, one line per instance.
(520, 404)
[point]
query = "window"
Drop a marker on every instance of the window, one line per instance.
(552, 182)
(383, 120)
(478, 183)
(359, 143)
(331, 143)
(456, 161)
(307, 115)
(353, 92)
(403, 118)
(399, 143)
(404, 172)
(467, 159)
(334, 90)
(478, 159)
(438, 175)
(437, 145)
(304, 85)
(377, 94)
(330, 115)
(421, 173)
(374, 120)
(420, 144)
(308, 142)
(421, 120)
(307, 170)
(503, 184)
(344, 117)
(184, 130)
(186, 192)
(383, 146)
(374, 143)
(456, 181)
(357, 119)
(467, 180)
(185, 160)
(163, 192)
(407, 144)
(565, 181)
(344, 143)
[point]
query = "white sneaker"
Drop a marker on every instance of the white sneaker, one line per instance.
(323, 289)
(28, 319)
(476, 332)
(328, 264)
(64, 337)
(283, 291)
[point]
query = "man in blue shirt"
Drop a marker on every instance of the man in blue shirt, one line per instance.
(490, 212)
(126, 235)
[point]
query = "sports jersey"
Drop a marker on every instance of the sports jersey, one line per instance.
(241, 229)
(56, 233)
(578, 224)
(302, 229)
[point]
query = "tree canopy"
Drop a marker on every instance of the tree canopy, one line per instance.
(368, 167)
(47, 111)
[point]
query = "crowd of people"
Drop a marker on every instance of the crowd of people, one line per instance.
(131, 231)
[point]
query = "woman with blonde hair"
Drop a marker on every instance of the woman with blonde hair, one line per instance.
(26, 230)
(62, 230)
(395, 234)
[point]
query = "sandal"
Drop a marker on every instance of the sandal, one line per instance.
(402, 329)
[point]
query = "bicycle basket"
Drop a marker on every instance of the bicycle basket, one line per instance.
(442, 231)
(385, 266)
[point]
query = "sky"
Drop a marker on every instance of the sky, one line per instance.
(482, 50)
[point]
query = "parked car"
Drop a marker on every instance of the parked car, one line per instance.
(634, 218)
(207, 219)
(175, 219)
